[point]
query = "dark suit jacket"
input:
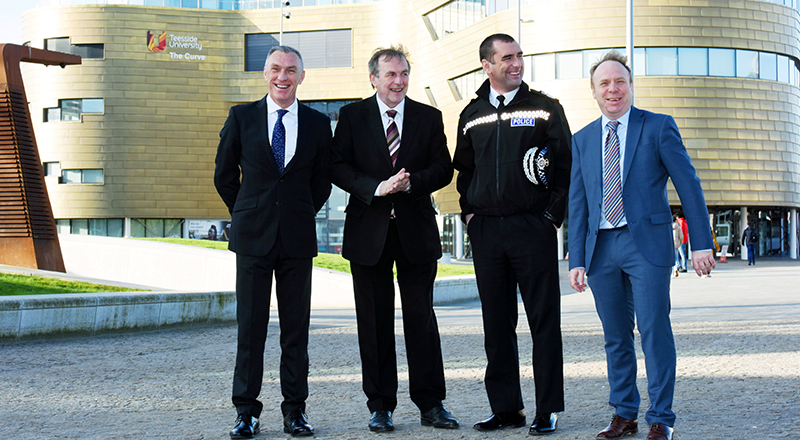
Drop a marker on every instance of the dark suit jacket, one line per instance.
(360, 161)
(263, 202)
(653, 152)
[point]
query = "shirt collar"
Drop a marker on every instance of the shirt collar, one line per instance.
(493, 94)
(382, 107)
(623, 120)
(272, 107)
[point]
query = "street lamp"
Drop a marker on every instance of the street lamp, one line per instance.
(286, 15)
(520, 21)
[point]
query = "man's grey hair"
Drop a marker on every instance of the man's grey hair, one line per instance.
(284, 49)
(390, 53)
(611, 55)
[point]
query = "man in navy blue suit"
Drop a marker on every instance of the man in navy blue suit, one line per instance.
(620, 239)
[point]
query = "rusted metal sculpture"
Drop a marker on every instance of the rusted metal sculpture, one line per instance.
(28, 236)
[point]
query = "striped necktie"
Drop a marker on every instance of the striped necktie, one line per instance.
(612, 179)
(392, 136)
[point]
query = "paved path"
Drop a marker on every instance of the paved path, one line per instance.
(737, 334)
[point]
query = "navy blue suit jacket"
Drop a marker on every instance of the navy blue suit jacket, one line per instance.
(653, 152)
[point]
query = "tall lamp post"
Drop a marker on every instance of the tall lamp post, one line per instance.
(286, 15)
(629, 38)
(520, 21)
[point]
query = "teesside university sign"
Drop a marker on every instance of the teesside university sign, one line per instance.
(179, 43)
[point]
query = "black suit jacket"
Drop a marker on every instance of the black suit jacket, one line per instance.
(360, 161)
(262, 202)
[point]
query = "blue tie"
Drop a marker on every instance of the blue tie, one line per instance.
(279, 141)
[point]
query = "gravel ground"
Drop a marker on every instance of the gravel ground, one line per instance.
(738, 373)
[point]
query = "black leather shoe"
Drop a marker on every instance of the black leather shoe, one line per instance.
(381, 421)
(296, 424)
(544, 424)
(502, 420)
(439, 417)
(246, 426)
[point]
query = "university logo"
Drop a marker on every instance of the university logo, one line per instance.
(156, 45)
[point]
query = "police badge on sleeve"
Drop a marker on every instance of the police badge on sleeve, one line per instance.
(536, 165)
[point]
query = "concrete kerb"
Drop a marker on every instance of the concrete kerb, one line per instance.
(39, 316)
(87, 314)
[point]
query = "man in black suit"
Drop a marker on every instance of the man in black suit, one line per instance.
(390, 153)
(271, 173)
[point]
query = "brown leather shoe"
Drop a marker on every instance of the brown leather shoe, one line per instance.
(659, 431)
(619, 427)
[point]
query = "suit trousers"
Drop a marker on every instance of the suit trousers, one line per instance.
(375, 312)
(628, 289)
(519, 250)
(293, 291)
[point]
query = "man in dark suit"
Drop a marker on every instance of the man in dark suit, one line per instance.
(390, 153)
(620, 237)
(271, 173)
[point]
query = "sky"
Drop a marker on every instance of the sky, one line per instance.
(11, 19)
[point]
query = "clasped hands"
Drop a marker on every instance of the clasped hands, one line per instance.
(395, 184)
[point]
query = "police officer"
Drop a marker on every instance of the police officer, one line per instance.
(513, 157)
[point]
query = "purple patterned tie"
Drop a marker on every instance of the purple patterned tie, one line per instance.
(612, 179)
(392, 136)
(279, 141)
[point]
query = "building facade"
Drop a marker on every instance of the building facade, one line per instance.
(128, 137)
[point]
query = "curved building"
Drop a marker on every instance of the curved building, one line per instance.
(128, 138)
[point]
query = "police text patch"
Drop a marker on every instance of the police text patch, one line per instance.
(520, 122)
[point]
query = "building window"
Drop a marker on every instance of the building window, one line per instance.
(104, 227)
(320, 49)
(330, 108)
(157, 227)
(52, 169)
(693, 61)
(543, 67)
(746, 64)
(454, 16)
(721, 62)
(784, 71)
(661, 61)
(569, 65)
(768, 66)
(431, 98)
(72, 109)
(330, 222)
(85, 51)
(464, 86)
(86, 176)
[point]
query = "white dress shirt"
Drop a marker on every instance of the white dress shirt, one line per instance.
(289, 122)
(509, 96)
(398, 120)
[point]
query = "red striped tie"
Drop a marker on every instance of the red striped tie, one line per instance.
(392, 136)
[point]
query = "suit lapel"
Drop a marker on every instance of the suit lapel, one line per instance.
(635, 125)
(303, 134)
(373, 118)
(263, 131)
(410, 124)
(595, 155)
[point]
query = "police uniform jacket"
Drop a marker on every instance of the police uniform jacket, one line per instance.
(491, 156)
